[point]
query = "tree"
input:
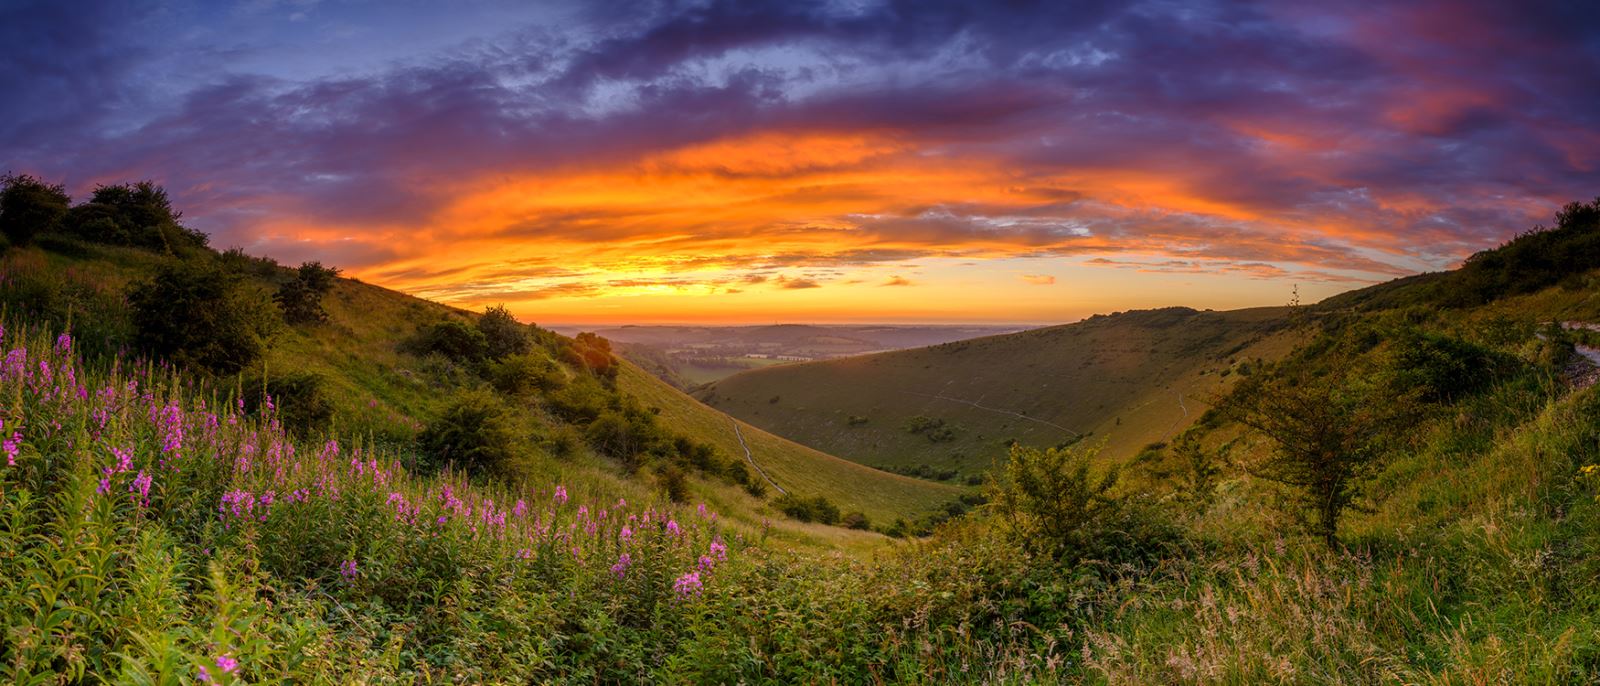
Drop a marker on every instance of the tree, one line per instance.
(503, 335)
(137, 214)
(29, 207)
(1327, 439)
(301, 298)
(194, 312)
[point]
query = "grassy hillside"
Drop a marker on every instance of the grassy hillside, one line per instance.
(378, 390)
(1127, 379)
(793, 467)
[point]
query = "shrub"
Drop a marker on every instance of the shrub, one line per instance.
(856, 520)
(1439, 368)
(474, 433)
(592, 353)
(301, 298)
(451, 338)
(195, 313)
(29, 207)
(1056, 509)
(137, 214)
(623, 436)
(301, 399)
(525, 374)
(674, 483)
(503, 335)
(814, 509)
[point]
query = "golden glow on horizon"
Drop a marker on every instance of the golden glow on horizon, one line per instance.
(808, 226)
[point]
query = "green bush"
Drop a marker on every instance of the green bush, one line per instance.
(674, 483)
(814, 509)
(525, 374)
(195, 313)
(1052, 504)
(137, 214)
(475, 433)
(503, 335)
(453, 339)
(300, 398)
(29, 207)
(626, 437)
(1439, 368)
(301, 298)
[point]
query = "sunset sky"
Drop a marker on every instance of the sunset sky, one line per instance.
(915, 161)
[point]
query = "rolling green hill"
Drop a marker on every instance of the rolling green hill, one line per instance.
(1127, 379)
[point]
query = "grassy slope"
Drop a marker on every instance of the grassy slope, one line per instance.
(376, 388)
(798, 469)
(1119, 378)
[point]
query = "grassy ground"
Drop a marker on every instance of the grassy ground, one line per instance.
(1119, 378)
(880, 495)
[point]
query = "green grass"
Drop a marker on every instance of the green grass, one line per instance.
(1127, 380)
(880, 495)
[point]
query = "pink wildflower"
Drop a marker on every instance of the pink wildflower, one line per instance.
(561, 495)
(627, 533)
(141, 486)
(12, 447)
(672, 527)
(687, 585)
(347, 569)
(621, 567)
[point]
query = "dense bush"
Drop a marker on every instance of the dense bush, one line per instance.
(453, 339)
(1438, 367)
(29, 207)
(475, 433)
(525, 375)
(1056, 508)
(592, 353)
(137, 214)
(503, 335)
(195, 313)
(300, 401)
(813, 509)
(301, 297)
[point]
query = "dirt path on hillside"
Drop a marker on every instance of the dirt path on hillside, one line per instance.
(996, 410)
(1585, 368)
(752, 458)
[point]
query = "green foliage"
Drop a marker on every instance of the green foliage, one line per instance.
(134, 214)
(936, 430)
(1533, 260)
(503, 335)
(813, 509)
(301, 298)
(624, 436)
(474, 433)
(451, 338)
(1198, 472)
(1052, 504)
(301, 401)
(29, 207)
(592, 353)
(525, 375)
(1327, 439)
(1438, 367)
(195, 313)
(674, 483)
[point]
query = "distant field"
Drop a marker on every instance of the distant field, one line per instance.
(701, 374)
(1127, 380)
